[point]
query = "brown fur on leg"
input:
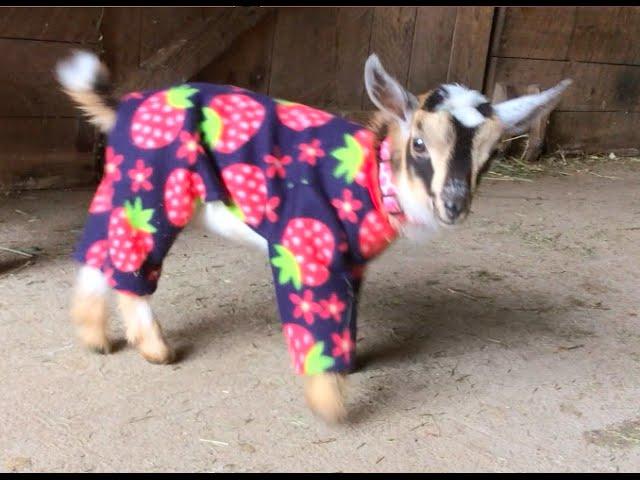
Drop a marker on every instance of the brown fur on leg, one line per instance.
(143, 331)
(89, 313)
(325, 396)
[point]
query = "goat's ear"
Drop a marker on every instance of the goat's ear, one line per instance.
(386, 93)
(517, 114)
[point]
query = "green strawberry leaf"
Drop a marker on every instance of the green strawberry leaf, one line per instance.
(178, 97)
(288, 265)
(350, 158)
(138, 216)
(285, 102)
(235, 210)
(211, 126)
(316, 362)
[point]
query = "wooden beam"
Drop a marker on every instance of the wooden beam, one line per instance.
(470, 45)
(193, 47)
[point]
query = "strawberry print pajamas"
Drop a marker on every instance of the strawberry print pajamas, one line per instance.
(303, 179)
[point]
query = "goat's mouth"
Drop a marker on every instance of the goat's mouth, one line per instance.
(448, 220)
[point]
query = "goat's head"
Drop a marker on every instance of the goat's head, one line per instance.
(441, 141)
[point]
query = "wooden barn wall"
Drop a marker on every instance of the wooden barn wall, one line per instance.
(598, 48)
(316, 56)
(42, 141)
(311, 55)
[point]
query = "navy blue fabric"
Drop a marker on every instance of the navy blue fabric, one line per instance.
(307, 191)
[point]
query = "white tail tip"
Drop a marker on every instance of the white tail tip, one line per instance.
(79, 72)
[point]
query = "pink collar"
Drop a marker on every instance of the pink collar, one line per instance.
(388, 190)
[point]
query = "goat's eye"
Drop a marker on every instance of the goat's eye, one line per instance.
(418, 145)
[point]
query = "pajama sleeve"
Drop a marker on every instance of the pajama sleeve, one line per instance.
(316, 286)
(319, 323)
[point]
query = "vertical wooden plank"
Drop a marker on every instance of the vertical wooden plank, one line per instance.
(535, 32)
(607, 34)
(391, 39)
(247, 63)
(470, 46)
(352, 49)
(431, 48)
(160, 23)
(121, 45)
(304, 55)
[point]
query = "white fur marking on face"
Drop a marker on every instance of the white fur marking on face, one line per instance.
(92, 281)
(468, 116)
(79, 72)
(461, 102)
(217, 218)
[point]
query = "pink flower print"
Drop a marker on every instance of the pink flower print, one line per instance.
(111, 169)
(277, 164)
(190, 148)
(342, 345)
(131, 95)
(309, 152)
(348, 206)
(270, 209)
(305, 307)
(332, 307)
(140, 176)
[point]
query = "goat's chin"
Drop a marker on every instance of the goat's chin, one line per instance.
(418, 232)
(420, 228)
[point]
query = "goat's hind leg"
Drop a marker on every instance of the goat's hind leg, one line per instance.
(89, 309)
(143, 330)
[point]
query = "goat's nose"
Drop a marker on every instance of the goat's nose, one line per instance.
(454, 206)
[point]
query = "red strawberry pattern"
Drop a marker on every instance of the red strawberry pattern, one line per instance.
(158, 120)
(299, 117)
(248, 188)
(97, 253)
(181, 193)
(305, 252)
(307, 355)
(354, 157)
(303, 179)
(102, 200)
(130, 236)
(375, 234)
(230, 121)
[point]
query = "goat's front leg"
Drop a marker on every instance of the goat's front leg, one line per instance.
(143, 331)
(325, 396)
(319, 325)
(89, 309)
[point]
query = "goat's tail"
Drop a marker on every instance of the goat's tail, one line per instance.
(86, 81)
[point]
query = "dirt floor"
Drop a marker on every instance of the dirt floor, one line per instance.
(509, 344)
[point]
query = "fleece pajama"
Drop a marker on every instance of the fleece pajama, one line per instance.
(303, 179)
